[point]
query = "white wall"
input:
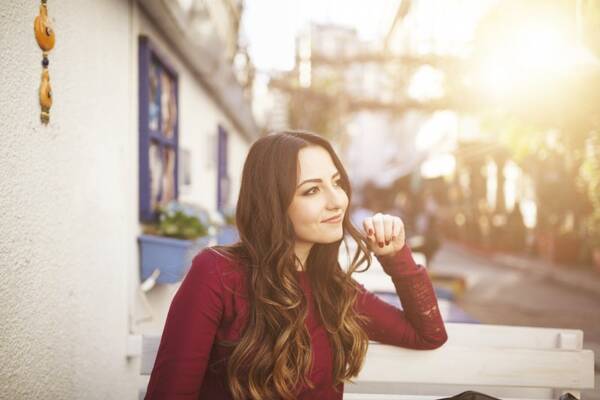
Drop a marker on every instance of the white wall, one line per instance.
(69, 191)
(69, 198)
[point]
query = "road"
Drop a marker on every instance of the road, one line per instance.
(499, 295)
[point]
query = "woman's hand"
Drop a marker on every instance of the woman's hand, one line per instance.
(385, 234)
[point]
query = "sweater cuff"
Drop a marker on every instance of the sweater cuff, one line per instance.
(400, 263)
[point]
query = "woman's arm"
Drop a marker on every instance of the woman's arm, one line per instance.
(420, 325)
(189, 332)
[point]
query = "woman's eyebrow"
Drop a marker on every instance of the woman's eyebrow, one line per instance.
(317, 180)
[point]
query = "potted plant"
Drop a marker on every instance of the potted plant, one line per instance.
(169, 245)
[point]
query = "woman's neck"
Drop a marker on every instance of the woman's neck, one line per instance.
(302, 250)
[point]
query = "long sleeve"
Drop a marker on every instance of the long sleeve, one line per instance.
(419, 325)
(189, 332)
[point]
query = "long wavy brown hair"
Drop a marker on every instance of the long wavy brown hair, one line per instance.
(273, 357)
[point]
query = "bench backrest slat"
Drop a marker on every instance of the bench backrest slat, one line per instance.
(440, 390)
(510, 336)
(505, 361)
(483, 366)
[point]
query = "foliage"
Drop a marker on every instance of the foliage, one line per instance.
(523, 139)
(181, 221)
(590, 174)
(552, 157)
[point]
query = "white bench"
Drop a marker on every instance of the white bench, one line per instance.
(503, 361)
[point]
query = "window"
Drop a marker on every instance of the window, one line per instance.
(159, 136)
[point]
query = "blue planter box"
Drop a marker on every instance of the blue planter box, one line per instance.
(173, 257)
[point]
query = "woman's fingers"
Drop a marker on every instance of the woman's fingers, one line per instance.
(385, 233)
(382, 229)
(388, 222)
(369, 228)
(396, 224)
(379, 229)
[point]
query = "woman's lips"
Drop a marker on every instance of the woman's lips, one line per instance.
(333, 220)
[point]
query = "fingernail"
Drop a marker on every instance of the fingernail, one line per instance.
(380, 244)
(370, 232)
(387, 242)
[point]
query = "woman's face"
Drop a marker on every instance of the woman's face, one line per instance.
(319, 204)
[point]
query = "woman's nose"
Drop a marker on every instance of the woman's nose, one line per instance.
(335, 198)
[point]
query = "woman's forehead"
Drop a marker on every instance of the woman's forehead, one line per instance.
(315, 162)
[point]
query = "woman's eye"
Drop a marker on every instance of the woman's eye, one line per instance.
(312, 190)
(315, 189)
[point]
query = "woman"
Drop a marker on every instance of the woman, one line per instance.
(275, 316)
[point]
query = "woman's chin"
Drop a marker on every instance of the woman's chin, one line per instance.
(326, 237)
(334, 237)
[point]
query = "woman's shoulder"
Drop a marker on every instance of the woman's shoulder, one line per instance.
(216, 262)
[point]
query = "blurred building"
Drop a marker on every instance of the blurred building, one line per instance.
(272, 104)
(345, 88)
(459, 153)
(402, 109)
(150, 104)
(399, 107)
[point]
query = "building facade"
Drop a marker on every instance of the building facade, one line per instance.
(72, 306)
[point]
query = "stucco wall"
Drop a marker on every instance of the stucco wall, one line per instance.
(69, 190)
(69, 199)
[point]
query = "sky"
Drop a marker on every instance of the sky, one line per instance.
(270, 26)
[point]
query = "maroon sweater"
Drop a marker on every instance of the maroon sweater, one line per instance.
(210, 306)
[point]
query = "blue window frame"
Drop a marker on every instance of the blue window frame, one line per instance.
(159, 131)
(223, 185)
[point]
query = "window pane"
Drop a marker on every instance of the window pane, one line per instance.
(153, 100)
(156, 169)
(168, 175)
(168, 105)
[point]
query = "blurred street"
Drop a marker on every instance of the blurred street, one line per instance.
(498, 294)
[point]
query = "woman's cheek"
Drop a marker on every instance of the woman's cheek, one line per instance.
(306, 213)
(346, 200)
(312, 211)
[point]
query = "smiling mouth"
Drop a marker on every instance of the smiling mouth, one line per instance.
(337, 218)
